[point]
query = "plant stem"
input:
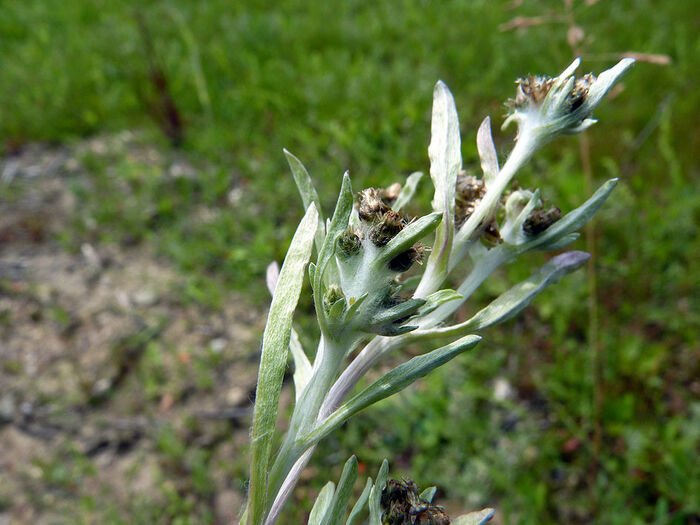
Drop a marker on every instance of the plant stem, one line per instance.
(326, 367)
(523, 150)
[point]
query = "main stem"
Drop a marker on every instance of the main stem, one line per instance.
(326, 367)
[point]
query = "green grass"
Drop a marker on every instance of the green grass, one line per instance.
(349, 87)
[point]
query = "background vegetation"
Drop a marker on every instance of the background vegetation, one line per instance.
(347, 85)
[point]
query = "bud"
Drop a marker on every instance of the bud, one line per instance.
(332, 296)
(348, 244)
(491, 234)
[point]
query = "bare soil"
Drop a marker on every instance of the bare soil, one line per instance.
(111, 384)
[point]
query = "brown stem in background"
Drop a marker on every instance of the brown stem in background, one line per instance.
(575, 35)
(160, 105)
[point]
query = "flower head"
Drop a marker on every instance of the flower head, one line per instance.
(547, 107)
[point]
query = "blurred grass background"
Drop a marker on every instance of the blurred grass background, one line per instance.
(226, 85)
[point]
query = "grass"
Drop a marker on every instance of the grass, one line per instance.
(349, 87)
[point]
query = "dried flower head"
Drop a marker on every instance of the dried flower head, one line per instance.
(469, 192)
(390, 194)
(403, 261)
(539, 220)
(531, 90)
(371, 207)
(389, 225)
(580, 91)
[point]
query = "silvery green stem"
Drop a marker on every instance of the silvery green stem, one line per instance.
(485, 266)
(371, 354)
(524, 148)
(288, 485)
(326, 367)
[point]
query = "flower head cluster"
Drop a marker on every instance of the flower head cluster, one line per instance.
(362, 295)
(547, 107)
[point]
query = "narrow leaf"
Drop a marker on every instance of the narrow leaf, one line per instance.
(274, 358)
(390, 383)
(560, 243)
(399, 311)
(360, 504)
(437, 299)
(355, 305)
(445, 164)
(487, 152)
(475, 518)
(375, 496)
(573, 220)
(336, 227)
(302, 366)
(322, 507)
(343, 492)
(408, 190)
(512, 302)
(307, 191)
(412, 233)
(444, 150)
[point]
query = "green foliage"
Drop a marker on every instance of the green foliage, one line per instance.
(349, 86)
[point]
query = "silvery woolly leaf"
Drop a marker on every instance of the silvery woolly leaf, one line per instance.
(487, 152)
(375, 495)
(336, 227)
(302, 366)
(390, 383)
(436, 300)
(360, 504)
(322, 507)
(406, 238)
(560, 243)
(445, 164)
(510, 303)
(475, 518)
(573, 220)
(605, 81)
(273, 360)
(408, 190)
(355, 304)
(307, 191)
(400, 311)
(342, 492)
(444, 150)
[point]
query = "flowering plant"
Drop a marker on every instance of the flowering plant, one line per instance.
(362, 296)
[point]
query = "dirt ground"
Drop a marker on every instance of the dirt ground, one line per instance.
(114, 391)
